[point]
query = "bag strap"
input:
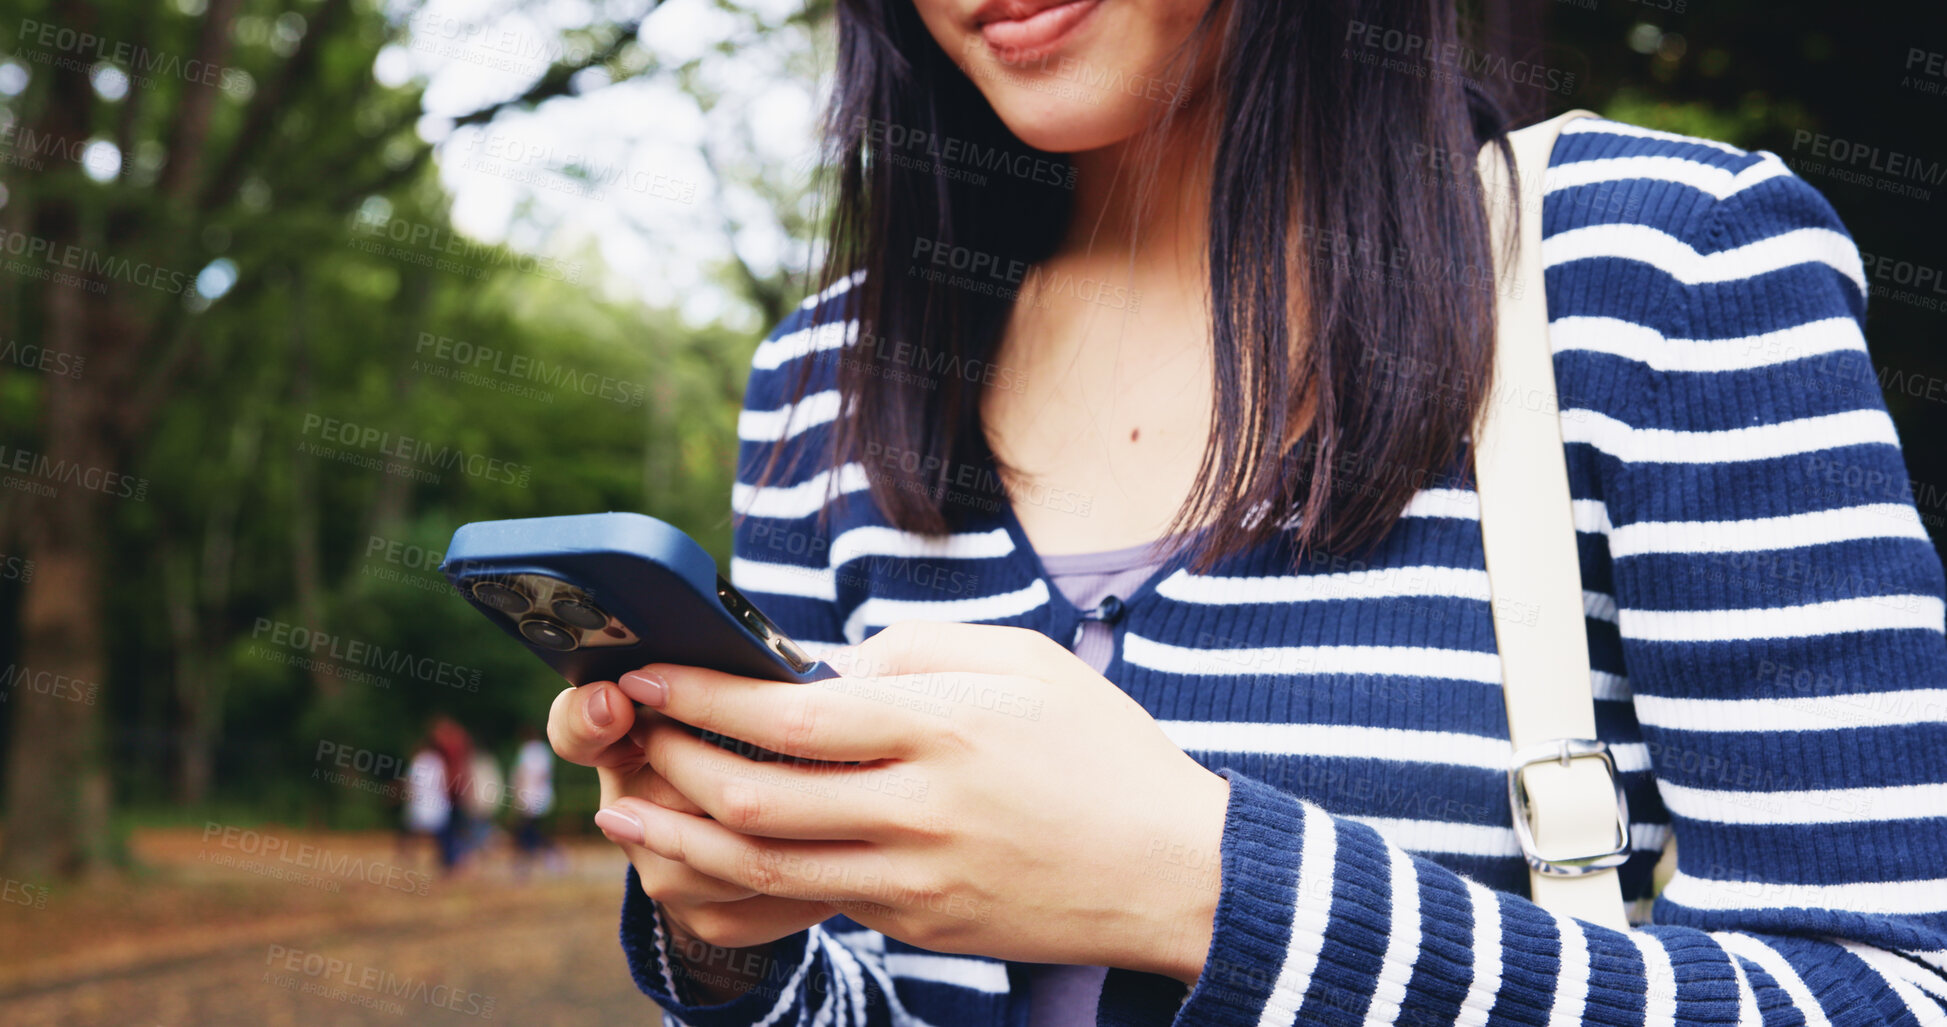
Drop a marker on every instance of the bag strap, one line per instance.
(1569, 810)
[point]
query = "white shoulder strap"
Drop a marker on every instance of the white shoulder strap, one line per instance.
(1569, 811)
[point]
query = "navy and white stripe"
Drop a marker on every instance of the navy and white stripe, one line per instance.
(1765, 623)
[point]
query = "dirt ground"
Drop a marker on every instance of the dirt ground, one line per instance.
(284, 927)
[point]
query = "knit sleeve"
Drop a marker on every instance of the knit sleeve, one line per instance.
(1781, 617)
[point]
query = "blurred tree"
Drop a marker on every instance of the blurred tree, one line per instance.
(221, 125)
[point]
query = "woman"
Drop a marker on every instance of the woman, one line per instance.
(1151, 338)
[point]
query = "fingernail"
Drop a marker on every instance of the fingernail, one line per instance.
(650, 689)
(620, 826)
(600, 713)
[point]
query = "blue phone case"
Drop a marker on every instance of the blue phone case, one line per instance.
(657, 592)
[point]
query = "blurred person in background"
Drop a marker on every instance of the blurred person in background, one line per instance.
(455, 750)
(533, 796)
(486, 796)
(427, 809)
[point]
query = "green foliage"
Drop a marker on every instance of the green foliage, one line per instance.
(373, 381)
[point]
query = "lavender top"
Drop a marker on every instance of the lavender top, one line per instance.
(1065, 996)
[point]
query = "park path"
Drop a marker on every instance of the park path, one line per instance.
(189, 942)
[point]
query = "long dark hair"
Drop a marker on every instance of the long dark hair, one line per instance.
(1345, 227)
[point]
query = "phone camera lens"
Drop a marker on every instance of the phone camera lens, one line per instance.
(503, 597)
(581, 613)
(548, 635)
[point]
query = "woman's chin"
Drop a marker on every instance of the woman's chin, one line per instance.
(1059, 125)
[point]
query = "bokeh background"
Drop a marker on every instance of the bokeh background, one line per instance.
(289, 289)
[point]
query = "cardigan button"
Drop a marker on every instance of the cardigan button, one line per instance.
(1109, 612)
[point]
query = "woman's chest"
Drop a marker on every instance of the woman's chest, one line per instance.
(1112, 422)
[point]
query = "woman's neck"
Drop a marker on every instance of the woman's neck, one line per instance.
(1143, 206)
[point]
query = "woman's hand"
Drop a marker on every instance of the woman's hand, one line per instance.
(595, 725)
(1005, 800)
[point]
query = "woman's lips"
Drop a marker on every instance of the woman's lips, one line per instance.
(1037, 32)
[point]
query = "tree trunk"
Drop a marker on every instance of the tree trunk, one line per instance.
(57, 781)
(192, 674)
(203, 676)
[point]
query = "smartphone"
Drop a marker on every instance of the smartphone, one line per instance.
(598, 595)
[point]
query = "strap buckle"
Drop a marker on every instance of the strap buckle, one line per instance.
(1561, 751)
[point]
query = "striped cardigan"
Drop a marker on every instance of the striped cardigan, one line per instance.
(1764, 617)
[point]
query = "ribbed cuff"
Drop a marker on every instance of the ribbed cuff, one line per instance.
(665, 978)
(1264, 836)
